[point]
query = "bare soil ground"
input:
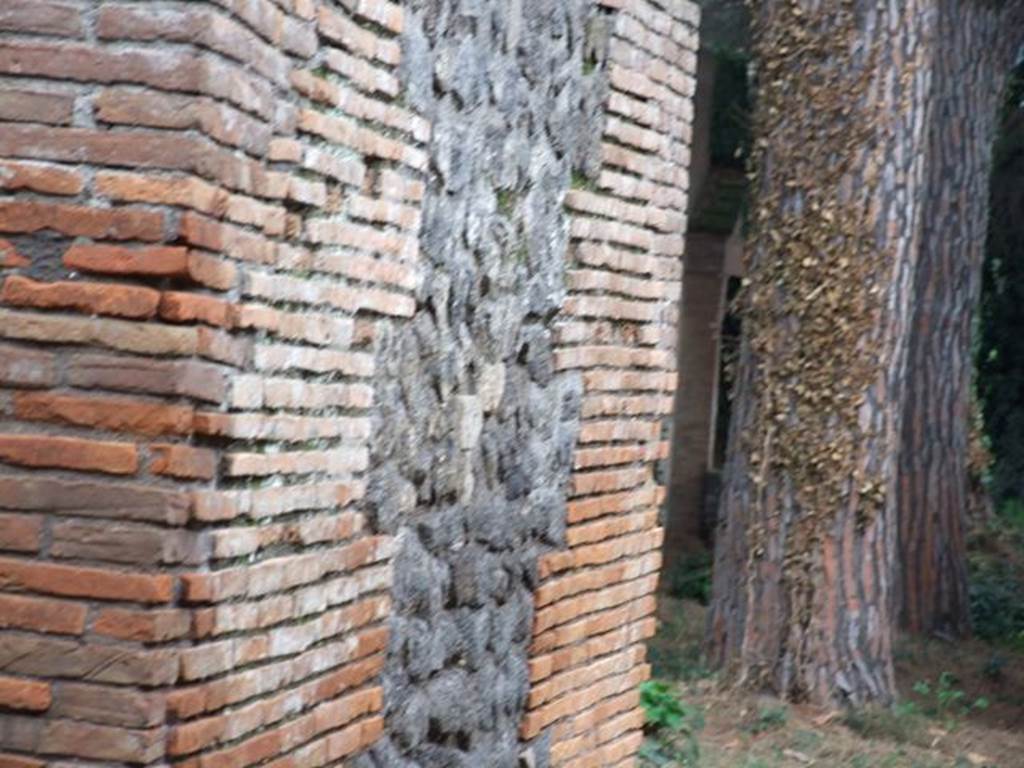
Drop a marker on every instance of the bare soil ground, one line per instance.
(939, 729)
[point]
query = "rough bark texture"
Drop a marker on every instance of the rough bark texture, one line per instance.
(934, 496)
(802, 598)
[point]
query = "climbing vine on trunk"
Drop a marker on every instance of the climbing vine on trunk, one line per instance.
(802, 597)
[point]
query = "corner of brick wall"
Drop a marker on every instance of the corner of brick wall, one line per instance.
(595, 606)
(206, 209)
(207, 212)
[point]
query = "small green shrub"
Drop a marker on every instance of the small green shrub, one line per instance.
(663, 709)
(945, 701)
(997, 612)
(671, 725)
(901, 724)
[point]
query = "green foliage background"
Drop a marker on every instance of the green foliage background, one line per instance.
(1000, 350)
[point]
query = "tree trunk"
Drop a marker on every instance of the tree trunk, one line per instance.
(934, 492)
(804, 569)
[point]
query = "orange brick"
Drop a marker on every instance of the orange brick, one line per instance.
(143, 626)
(165, 110)
(9, 256)
(20, 533)
(191, 307)
(91, 298)
(69, 453)
(159, 261)
(41, 615)
(73, 581)
(112, 745)
(124, 335)
(37, 177)
(81, 221)
(16, 761)
(115, 414)
(186, 378)
(34, 107)
(44, 17)
(28, 695)
(183, 461)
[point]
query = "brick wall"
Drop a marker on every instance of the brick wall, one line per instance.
(595, 606)
(207, 210)
(209, 215)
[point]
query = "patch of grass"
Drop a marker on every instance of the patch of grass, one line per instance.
(901, 724)
(805, 741)
(944, 701)
(769, 718)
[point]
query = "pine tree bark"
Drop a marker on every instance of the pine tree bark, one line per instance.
(805, 556)
(976, 54)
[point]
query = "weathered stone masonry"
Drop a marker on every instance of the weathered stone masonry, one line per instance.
(336, 345)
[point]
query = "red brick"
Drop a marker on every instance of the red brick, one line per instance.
(156, 261)
(94, 499)
(88, 740)
(212, 235)
(44, 655)
(123, 542)
(193, 307)
(37, 177)
(183, 461)
(356, 38)
(185, 191)
(88, 63)
(122, 106)
(69, 453)
(73, 581)
(9, 256)
(284, 150)
(41, 615)
(45, 17)
(114, 414)
(31, 107)
(219, 274)
(19, 533)
(143, 626)
(165, 150)
(194, 25)
(28, 695)
(16, 761)
(90, 298)
(147, 338)
(383, 12)
(186, 378)
(108, 705)
(80, 221)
